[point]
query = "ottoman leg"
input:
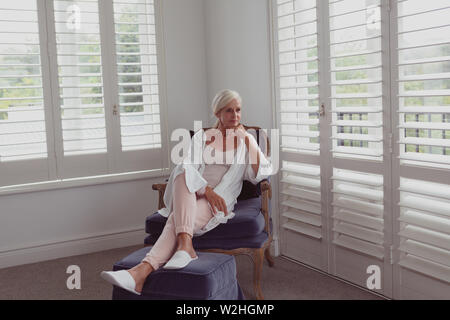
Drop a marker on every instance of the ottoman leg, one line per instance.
(258, 259)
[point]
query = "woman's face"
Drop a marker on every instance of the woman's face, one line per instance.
(230, 115)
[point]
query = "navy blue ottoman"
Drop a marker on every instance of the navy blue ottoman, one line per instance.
(211, 277)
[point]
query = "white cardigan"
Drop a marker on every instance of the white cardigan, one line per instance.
(228, 188)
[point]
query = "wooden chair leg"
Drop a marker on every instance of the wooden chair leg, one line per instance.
(258, 259)
(269, 257)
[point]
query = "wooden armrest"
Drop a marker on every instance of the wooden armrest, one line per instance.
(161, 187)
(265, 186)
(266, 191)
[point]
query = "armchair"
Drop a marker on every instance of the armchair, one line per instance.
(248, 233)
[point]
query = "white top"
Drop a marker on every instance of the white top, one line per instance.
(230, 185)
(214, 171)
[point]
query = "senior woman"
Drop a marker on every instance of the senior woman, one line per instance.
(201, 194)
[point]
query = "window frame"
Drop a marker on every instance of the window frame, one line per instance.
(57, 171)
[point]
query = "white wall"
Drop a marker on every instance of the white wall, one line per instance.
(238, 55)
(45, 225)
(185, 62)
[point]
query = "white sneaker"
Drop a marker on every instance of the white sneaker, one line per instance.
(179, 260)
(122, 279)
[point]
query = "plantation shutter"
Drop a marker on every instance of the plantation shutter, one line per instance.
(301, 211)
(360, 164)
(137, 78)
(422, 57)
(80, 89)
(23, 129)
(335, 164)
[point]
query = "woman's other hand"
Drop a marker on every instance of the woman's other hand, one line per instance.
(215, 201)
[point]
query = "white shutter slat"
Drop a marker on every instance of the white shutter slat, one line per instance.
(358, 137)
(356, 218)
(355, 151)
(430, 205)
(301, 193)
(357, 109)
(303, 229)
(360, 246)
(425, 125)
(291, 133)
(356, 191)
(375, 210)
(22, 118)
(302, 205)
(300, 121)
(304, 170)
(426, 142)
(300, 109)
(425, 220)
(426, 236)
(361, 178)
(135, 32)
(358, 232)
(429, 189)
(303, 217)
(425, 251)
(295, 147)
(357, 123)
(427, 267)
(434, 109)
(301, 181)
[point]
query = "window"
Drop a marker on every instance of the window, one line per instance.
(79, 89)
(22, 119)
(363, 104)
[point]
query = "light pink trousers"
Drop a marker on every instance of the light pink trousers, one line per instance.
(189, 215)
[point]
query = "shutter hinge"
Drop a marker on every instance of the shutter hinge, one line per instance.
(322, 110)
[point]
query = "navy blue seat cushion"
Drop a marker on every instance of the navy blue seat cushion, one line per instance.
(211, 276)
(203, 242)
(247, 222)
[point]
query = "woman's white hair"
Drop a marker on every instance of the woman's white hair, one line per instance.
(221, 100)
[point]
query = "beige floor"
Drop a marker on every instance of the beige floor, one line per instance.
(47, 280)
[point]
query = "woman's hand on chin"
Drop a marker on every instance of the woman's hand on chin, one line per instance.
(240, 132)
